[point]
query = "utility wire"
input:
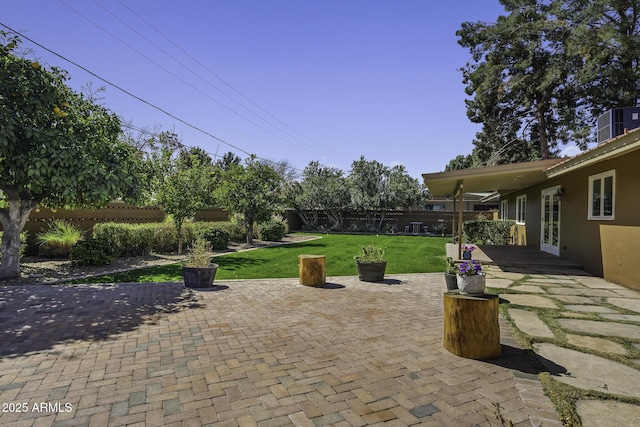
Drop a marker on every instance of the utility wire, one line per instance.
(191, 71)
(218, 77)
(173, 74)
(155, 107)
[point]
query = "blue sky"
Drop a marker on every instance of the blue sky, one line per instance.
(333, 80)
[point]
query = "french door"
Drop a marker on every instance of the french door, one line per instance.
(550, 226)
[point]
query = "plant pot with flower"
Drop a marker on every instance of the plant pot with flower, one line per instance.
(450, 275)
(470, 278)
(371, 264)
(198, 271)
(466, 251)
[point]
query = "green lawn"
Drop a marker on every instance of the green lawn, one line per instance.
(404, 254)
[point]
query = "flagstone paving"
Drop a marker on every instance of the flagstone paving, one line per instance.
(529, 323)
(598, 344)
(615, 329)
(579, 298)
(632, 304)
(590, 372)
(610, 413)
(529, 300)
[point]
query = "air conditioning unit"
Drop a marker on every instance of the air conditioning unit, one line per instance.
(616, 122)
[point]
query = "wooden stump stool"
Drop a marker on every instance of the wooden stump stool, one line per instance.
(312, 270)
(471, 327)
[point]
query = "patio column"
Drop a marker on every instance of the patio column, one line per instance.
(460, 206)
(453, 221)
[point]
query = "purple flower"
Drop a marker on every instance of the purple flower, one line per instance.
(470, 268)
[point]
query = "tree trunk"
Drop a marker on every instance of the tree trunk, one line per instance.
(13, 221)
(180, 236)
(312, 270)
(542, 129)
(471, 327)
(250, 233)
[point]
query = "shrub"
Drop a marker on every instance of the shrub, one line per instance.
(199, 254)
(165, 238)
(487, 232)
(129, 239)
(237, 232)
(58, 239)
(272, 230)
(142, 239)
(215, 234)
(94, 251)
(371, 253)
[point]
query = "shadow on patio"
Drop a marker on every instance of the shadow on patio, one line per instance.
(37, 317)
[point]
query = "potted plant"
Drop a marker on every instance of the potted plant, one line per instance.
(198, 271)
(450, 274)
(371, 264)
(466, 251)
(471, 279)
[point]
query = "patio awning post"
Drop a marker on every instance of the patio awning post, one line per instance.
(453, 221)
(461, 193)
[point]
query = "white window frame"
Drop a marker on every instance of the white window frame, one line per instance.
(521, 211)
(504, 209)
(592, 180)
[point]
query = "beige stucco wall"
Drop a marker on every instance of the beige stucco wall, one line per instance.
(620, 248)
(519, 235)
(592, 243)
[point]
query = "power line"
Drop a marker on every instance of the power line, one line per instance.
(173, 74)
(190, 70)
(155, 107)
(220, 78)
(209, 82)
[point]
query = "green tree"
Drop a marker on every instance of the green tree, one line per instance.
(185, 182)
(57, 149)
(252, 190)
(461, 162)
(228, 161)
(605, 36)
(376, 189)
(322, 188)
(520, 77)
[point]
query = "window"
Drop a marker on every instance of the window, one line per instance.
(504, 209)
(602, 195)
(521, 209)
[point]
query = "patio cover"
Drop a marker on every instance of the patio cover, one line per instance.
(501, 178)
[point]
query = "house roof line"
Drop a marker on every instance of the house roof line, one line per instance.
(512, 177)
(617, 146)
(507, 177)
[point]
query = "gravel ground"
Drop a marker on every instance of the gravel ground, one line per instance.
(36, 270)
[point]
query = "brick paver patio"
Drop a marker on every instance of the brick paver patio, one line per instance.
(260, 352)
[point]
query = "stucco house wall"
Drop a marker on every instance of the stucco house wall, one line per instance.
(607, 248)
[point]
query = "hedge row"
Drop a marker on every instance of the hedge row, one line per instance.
(487, 232)
(143, 239)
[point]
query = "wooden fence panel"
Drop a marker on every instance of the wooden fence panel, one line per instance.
(85, 219)
(435, 221)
